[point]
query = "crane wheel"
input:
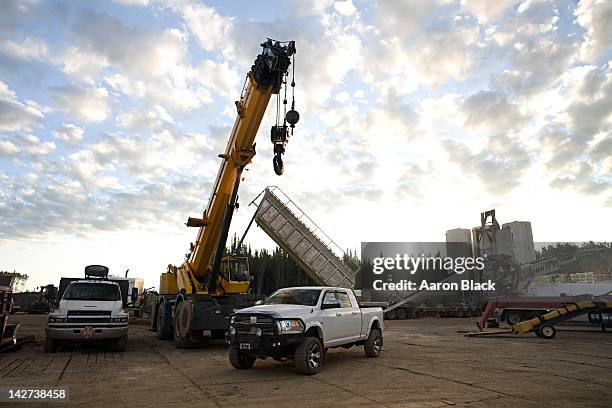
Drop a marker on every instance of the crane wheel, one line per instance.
(279, 167)
(164, 324)
(182, 325)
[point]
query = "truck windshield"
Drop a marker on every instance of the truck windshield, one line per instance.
(92, 291)
(304, 297)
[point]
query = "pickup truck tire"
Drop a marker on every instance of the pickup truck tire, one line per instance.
(309, 356)
(121, 344)
(164, 327)
(51, 345)
(373, 344)
(240, 360)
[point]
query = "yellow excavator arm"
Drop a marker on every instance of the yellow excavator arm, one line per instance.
(206, 270)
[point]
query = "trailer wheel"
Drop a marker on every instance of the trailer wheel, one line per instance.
(391, 315)
(547, 331)
(309, 356)
(240, 360)
(513, 317)
(182, 325)
(51, 345)
(164, 326)
(374, 343)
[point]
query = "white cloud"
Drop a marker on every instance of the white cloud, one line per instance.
(81, 64)
(8, 148)
(139, 119)
(486, 10)
(69, 134)
(89, 105)
(30, 48)
(345, 7)
(209, 27)
(595, 17)
(16, 115)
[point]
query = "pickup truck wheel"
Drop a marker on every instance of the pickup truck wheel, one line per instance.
(309, 356)
(164, 328)
(240, 360)
(121, 344)
(374, 343)
(50, 345)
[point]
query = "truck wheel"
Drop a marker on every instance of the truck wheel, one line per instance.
(309, 356)
(164, 328)
(374, 343)
(513, 317)
(240, 360)
(182, 325)
(121, 344)
(401, 314)
(51, 345)
(547, 331)
(391, 315)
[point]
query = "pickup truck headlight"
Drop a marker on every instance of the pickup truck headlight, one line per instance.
(290, 326)
(233, 319)
(57, 319)
(120, 319)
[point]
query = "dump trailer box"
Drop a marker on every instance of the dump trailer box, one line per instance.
(292, 234)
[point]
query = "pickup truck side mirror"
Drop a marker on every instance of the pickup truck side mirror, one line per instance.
(331, 304)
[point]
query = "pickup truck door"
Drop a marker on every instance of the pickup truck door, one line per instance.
(330, 319)
(350, 317)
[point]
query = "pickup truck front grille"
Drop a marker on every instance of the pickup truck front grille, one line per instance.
(249, 323)
(89, 316)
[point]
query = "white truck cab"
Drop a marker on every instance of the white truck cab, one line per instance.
(90, 309)
(302, 323)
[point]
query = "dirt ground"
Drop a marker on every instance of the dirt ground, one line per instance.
(425, 363)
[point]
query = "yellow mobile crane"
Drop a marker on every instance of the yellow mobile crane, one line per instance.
(202, 293)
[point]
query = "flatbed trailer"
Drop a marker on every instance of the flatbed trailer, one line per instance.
(599, 311)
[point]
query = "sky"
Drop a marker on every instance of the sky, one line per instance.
(415, 117)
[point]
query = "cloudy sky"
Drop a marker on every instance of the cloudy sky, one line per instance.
(416, 116)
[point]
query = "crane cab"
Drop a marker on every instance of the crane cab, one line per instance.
(235, 276)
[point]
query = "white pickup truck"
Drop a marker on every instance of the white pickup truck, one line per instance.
(301, 324)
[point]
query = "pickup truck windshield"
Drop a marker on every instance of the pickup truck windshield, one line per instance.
(304, 297)
(92, 291)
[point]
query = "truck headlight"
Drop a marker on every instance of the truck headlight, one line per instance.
(233, 319)
(290, 326)
(57, 319)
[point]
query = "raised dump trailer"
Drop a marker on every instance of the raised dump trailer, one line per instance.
(302, 239)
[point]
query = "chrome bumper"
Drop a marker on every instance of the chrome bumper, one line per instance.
(100, 332)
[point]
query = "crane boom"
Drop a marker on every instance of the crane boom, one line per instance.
(200, 272)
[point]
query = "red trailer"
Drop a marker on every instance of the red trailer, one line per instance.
(517, 309)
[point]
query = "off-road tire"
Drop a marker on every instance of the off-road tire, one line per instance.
(374, 343)
(121, 344)
(309, 356)
(183, 333)
(51, 345)
(164, 326)
(240, 360)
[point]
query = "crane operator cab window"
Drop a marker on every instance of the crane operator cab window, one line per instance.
(236, 269)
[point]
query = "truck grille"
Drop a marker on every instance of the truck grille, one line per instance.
(89, 316)
(249, 323)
